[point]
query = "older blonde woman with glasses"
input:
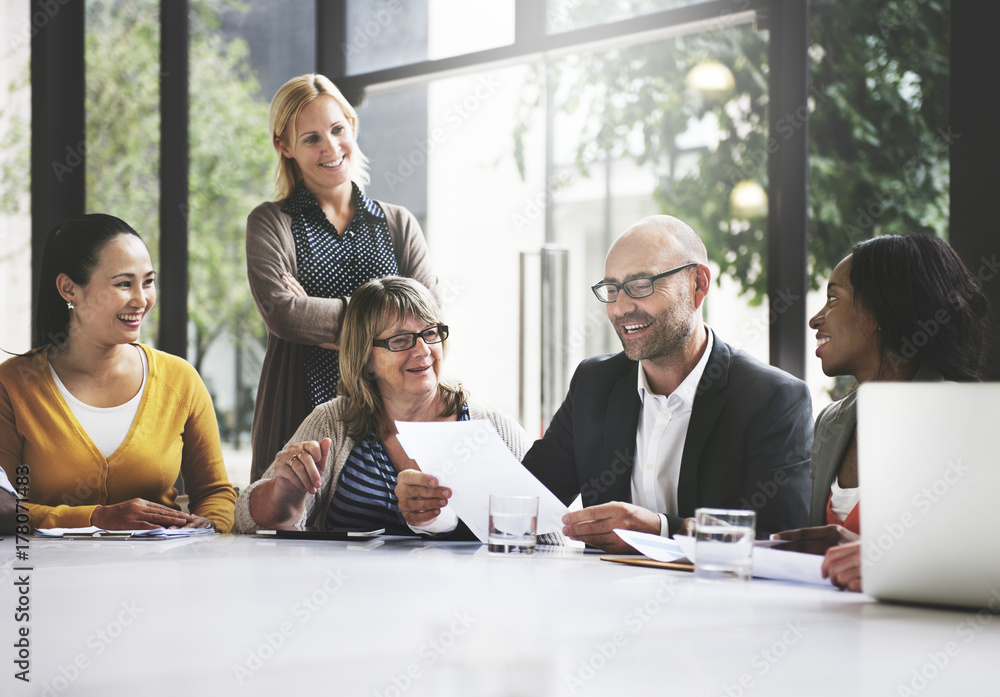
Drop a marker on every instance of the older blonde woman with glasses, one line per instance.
(340, 469)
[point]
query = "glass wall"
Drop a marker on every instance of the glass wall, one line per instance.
(240, 54)
(15, 167)
(879, 134)
(563, 15)
(568, 154)
(390, 33)
(122, 47)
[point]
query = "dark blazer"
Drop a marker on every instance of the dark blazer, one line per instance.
(747, 443)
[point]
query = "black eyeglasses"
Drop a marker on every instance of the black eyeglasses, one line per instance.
(404, 342)
(636, 287)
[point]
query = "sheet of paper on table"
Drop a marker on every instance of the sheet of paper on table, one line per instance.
(95, 532)
(471, 459)
(777, 564)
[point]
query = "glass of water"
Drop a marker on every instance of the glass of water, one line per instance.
(513, 524)
(723, 544)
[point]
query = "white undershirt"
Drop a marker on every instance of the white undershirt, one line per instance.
(105, 426)
(659, 441)
(843, 501)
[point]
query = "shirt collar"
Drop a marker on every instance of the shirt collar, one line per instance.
(685, 393)
(302, 200)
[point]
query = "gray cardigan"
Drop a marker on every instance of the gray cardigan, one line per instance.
(325, 422)
(832, 436)
(293, 322)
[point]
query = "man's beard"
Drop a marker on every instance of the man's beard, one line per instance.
(670, 333)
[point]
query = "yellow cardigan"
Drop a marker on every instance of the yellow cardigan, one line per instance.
(174, 431)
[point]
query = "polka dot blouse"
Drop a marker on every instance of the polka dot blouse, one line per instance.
(331, 265)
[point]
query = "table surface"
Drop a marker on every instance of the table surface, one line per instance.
(240, 615)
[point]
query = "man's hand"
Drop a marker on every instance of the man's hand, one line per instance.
(686, 528)
(842, 565)
(596, 525)
(420, 498)
(815, 540)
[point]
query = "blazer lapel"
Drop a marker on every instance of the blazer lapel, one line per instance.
(705, 412)
(621, 422)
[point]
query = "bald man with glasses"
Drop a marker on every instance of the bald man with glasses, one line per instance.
(676, 421)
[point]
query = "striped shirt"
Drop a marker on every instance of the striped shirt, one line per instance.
(365, 497)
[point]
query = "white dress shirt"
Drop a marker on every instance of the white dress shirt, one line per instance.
(659, 441)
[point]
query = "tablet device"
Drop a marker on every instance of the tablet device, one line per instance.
(321, 534)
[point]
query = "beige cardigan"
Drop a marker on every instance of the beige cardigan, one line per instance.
(326, 422)
(293, 322)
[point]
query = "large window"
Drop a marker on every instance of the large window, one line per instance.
(15, 140)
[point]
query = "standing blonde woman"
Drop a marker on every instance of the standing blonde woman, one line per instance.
(311, 248)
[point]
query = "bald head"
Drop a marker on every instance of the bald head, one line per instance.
(668, 239)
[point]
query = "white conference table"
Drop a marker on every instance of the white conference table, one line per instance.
(239, 615)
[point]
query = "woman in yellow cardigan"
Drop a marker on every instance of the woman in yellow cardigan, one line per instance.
(95, 427)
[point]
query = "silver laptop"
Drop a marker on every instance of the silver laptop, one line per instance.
(929, 470)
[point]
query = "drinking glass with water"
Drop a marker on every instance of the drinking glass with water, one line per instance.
(513, 524)
(724, 544)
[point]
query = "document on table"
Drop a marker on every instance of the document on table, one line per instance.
(471, 459)
(98, 533)
(777, 564)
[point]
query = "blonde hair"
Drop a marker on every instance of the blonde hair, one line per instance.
(375, 307)
(289, 101)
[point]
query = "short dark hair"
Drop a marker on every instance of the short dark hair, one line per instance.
(73, 248)
(926, 304)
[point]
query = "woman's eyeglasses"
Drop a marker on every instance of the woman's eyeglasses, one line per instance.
(406, 341)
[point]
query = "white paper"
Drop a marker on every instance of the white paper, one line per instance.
(778, 564)
(471, 459)
(97, 532)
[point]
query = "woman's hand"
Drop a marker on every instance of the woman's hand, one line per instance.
(200, 522)
(420, 498)
(298, 469)
(842, 565)
(815, 540)
(292, 284)
(278, 501)
(138, 514)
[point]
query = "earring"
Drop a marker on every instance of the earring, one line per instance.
(71, 305)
